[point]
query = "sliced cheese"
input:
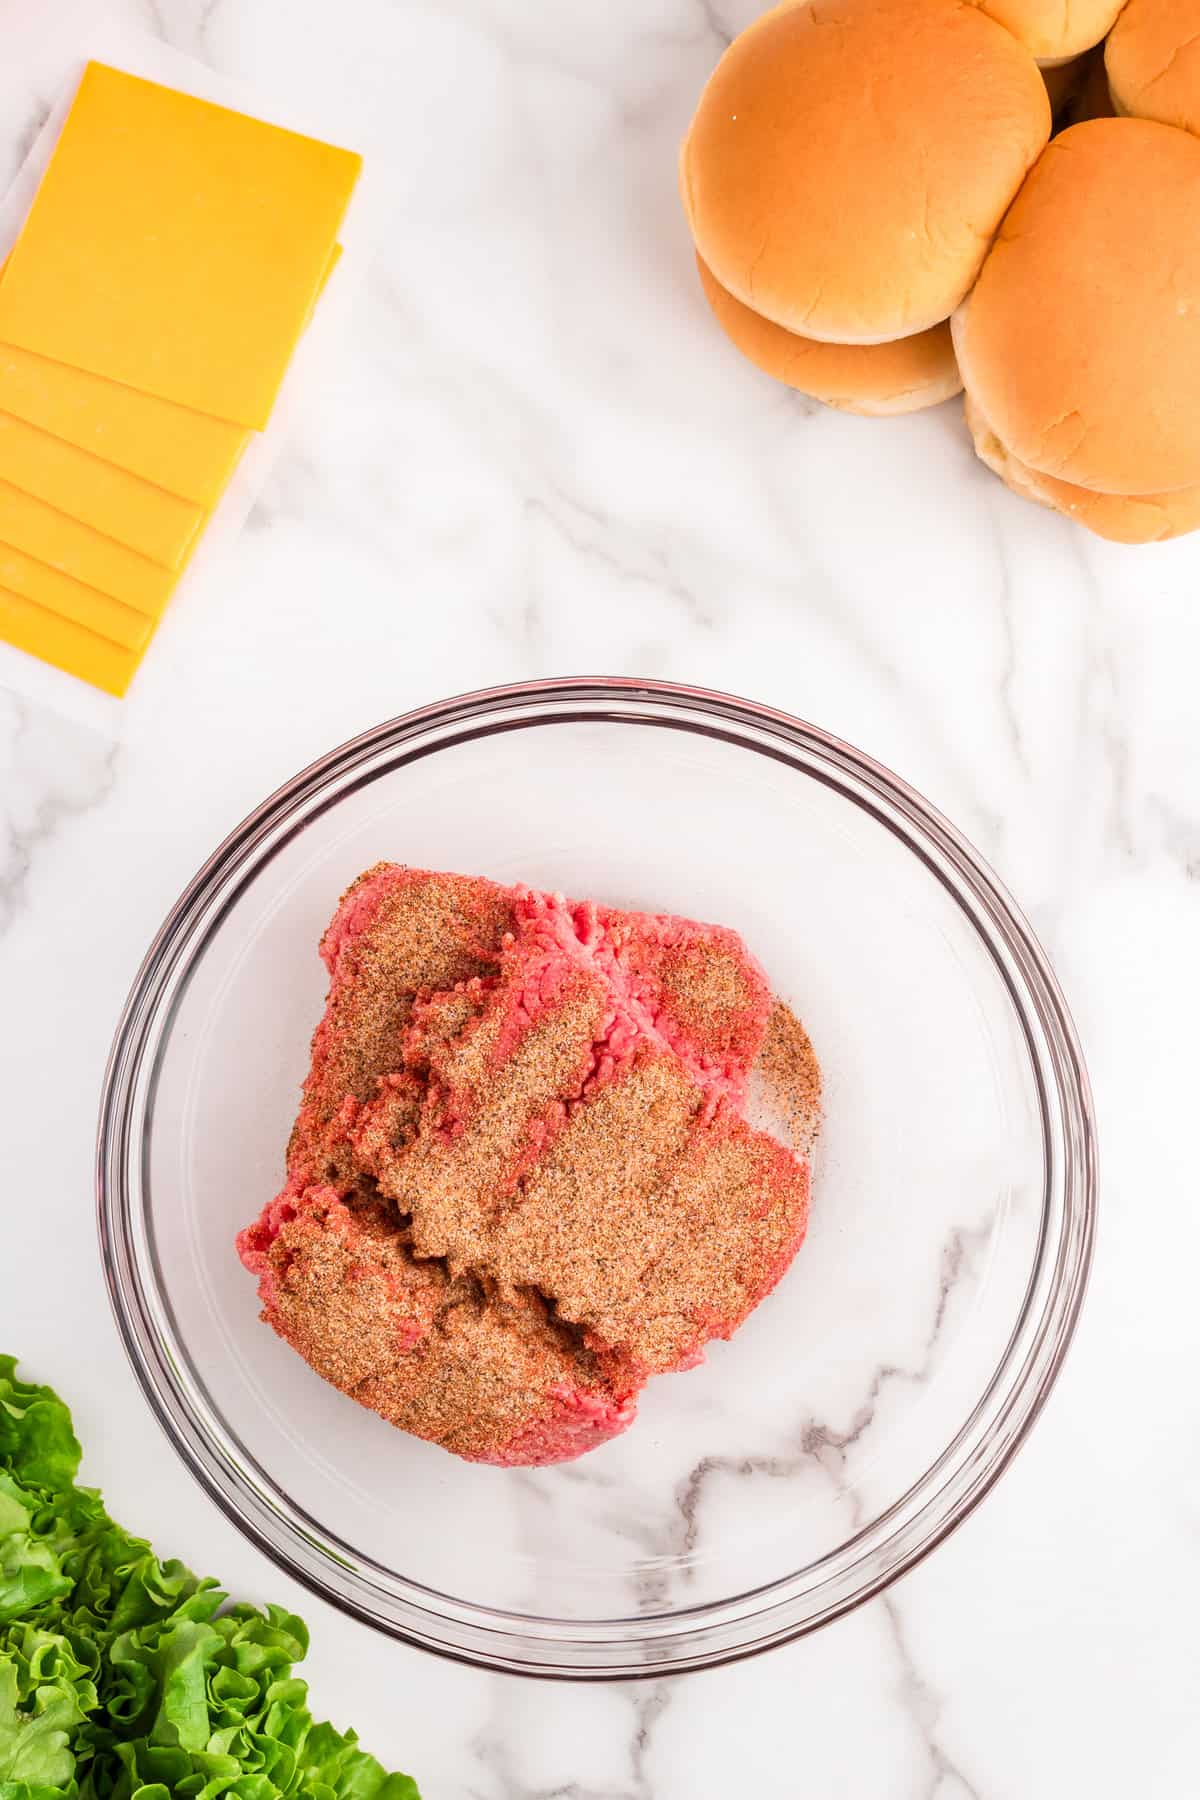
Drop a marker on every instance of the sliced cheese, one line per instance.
(96, 561)
(175, 246)
(186, 452)
(68, 646)
(86, 606)
(146, 518)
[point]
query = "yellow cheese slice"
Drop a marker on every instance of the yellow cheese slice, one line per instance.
(68, 646)
(146, 518)
(97, 561)
(50, 588)
(175, 246)
(188, 453)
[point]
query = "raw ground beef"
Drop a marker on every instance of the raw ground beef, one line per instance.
(520, 1182)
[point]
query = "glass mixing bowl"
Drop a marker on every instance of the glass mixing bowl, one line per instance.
(868, 1404)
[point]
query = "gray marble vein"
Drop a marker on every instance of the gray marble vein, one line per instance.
(819, 1442)
(499, 1752)
(945, 1779)
(51, 772)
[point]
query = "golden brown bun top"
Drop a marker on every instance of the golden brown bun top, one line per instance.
(1055, 29)
(1153, 59)
(850, 160)
(1081, 341)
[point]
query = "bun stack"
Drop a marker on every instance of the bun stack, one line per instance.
(882, 218)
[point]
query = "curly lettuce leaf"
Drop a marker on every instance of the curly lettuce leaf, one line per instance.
(43, 1697)
(36, 1440)
(126, 1678)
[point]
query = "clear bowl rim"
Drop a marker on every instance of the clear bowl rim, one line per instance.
(686, 1639)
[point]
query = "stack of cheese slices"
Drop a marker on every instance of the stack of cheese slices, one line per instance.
(881, 217)
(148, 311)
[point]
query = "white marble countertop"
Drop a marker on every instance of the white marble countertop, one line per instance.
(538, 459)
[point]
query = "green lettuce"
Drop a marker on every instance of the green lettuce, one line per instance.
(126, 1678)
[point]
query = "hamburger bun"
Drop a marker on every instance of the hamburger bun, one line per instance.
(1081, 340)
(850, 160)
(876, 379)
(1153, 59)
(1122, 519)
(1055, 30)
